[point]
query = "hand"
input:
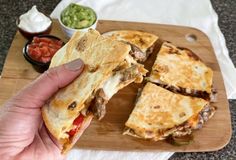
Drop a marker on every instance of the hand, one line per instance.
(23, 134)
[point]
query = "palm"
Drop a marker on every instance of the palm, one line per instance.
(30, 138)
(22, 132)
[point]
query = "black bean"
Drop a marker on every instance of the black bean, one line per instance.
(72, 106)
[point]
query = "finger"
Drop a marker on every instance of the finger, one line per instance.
(51, 81)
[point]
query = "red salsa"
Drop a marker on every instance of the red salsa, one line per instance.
(42, 49)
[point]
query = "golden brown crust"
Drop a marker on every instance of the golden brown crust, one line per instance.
(181, 68)
(158, 110)
(96, 51)
(142, 40)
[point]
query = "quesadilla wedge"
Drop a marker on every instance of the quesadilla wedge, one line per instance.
(142, 43)
(181, 71)
(67, 113)
(160, 113)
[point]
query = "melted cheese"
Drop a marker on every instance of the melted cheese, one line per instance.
(113, 84)
(110, 87)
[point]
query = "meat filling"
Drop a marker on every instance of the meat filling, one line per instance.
(98, 106)
(182, 130)
(150, 50)
(206, 113)
(130, 73)
(191, 92)
(139, 55)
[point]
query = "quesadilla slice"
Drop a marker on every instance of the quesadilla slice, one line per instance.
(181, 71)
(160, 113)
(142, 43)
(67, 114)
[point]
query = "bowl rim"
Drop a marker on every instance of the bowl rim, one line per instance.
(27, 56)
(41, 32)
(59, 19)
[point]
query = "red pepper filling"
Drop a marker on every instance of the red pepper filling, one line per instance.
(77, 122)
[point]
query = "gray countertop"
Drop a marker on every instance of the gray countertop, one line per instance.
(11, 9)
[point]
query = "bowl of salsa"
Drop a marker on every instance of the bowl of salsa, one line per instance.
(40, 49)
(76, 17)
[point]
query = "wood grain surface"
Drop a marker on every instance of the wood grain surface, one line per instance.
(107, 134)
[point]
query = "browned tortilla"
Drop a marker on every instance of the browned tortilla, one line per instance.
(101, 56)
(158, 111)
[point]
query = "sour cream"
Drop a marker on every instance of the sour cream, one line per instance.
(34, 21)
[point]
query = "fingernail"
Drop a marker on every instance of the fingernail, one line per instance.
(75, 65)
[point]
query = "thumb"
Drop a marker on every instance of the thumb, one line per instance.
(51, 81)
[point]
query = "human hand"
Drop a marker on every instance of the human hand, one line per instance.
(23, 134)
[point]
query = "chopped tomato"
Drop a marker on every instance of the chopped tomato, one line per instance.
(46, 40)
(45, 59)
(55, 46)
(42, 49)
(77, 122)
(52, 51)
(45, 51)
(36, 40)
(33, 45)
(35, 53)
(72, 132)
(30, 49)
(42, 44)
(59, 43)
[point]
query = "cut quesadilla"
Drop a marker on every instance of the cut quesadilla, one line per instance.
(108, 68)
(160, 113)
(142, 43)
(181, 71)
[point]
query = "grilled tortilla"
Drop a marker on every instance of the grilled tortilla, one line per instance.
(160, 113)
(181, 71)
(142, 43)
(66, 115)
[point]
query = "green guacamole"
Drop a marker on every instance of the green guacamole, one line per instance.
(77, 16)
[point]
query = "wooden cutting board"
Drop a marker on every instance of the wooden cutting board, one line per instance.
(107, 134)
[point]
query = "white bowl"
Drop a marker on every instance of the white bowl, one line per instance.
(70, 31)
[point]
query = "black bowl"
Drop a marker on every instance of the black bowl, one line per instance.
(38, 66)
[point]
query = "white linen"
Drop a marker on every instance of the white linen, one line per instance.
(198, 14)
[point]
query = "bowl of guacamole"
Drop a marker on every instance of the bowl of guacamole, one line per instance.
(77, 17)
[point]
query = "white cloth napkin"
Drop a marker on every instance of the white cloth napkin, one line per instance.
(198, 14)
